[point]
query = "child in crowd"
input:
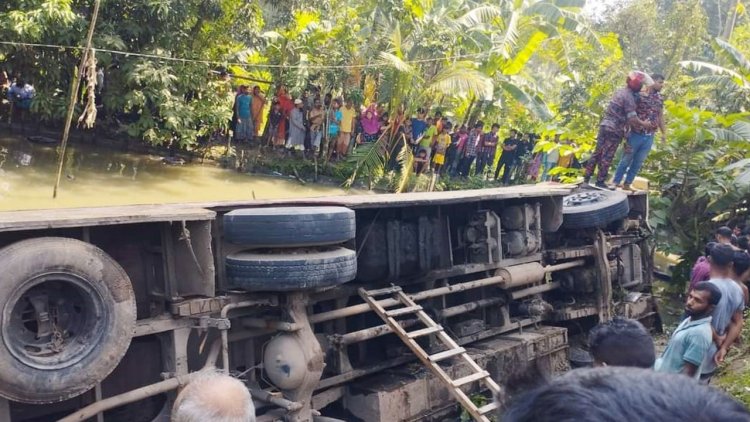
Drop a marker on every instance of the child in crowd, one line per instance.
(441, 144)
(421, 161)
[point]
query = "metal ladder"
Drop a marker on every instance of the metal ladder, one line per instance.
(409, 307)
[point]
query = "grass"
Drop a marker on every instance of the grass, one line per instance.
(734, 374)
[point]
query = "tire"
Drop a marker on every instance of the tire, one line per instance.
(594, 209)
(90, 305)
(288, 270)
(289, 227)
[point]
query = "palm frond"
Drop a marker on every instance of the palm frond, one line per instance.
(725, 135)
(395, 62)
(522, 56)
(742, 128)
(461, 78)
(558, 14)
(510, 37)
(406, 161)
(742, 164)
(534, 103)
(715, 69)
(733, 55)
(480, 15)
(369, 158)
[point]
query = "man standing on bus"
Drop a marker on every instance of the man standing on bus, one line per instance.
(619, 117)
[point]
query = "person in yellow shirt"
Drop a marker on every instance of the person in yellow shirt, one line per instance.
(441, 145)
(348, 114)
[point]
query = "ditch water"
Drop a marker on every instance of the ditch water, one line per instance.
(99, 176)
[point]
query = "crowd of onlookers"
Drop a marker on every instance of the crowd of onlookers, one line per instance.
(439, 146)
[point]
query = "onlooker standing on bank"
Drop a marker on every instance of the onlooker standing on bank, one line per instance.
(726, 318)
(419, 125)
(486, 149)
(470, 149)
(370, 122)
(702, 268)
(619, 117)
(440, 147)
(259, 102)
(297, 127)
(649, 107)
(691, 341)
(243, 125)
(509, 157)
(334, 123)
(348, 114)
(724, 235)
(315, 117)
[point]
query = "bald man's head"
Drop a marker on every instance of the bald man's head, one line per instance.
(216, 398)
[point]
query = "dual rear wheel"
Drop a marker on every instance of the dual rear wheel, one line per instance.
(288, 249)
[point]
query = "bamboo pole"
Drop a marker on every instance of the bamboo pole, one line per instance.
(74, 95)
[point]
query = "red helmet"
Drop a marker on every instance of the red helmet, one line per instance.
(636, 79)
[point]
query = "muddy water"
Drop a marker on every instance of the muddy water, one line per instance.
(95, 176)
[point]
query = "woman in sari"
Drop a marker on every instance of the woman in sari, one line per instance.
(286, 104)
(370, 122)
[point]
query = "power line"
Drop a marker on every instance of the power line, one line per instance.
(222, 63)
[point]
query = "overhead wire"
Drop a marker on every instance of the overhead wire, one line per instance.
(244, 64)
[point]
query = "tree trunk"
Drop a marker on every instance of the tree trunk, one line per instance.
(469, 110)
(731, 20)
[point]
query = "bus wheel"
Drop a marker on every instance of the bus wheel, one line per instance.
(67, 315)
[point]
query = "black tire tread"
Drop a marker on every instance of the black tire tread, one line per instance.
(596, 218)
(289, 227)
(275, 272)
(30, 385)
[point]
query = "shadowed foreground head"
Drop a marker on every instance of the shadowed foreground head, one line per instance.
(614, 394)
(622, 342)
(215, 398)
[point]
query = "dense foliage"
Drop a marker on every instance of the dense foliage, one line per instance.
(541, 65)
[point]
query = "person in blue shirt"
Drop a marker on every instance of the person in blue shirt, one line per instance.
(243, 125)
(419, 125)
(21, 94)
(691, 341)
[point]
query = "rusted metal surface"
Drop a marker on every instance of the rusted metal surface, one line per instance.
(160, 324)
(100, 216)
(428, 294)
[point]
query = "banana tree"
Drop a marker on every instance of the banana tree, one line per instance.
(490, 47)
(730, 76)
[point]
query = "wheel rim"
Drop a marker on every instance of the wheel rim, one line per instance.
(54, 321)
(584, 198)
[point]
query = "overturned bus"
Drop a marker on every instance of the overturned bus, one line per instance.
(373, 308)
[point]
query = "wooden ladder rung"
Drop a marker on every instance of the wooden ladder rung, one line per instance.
(424, 331)
(385, 291)
(470, 378)
(403, 311)
(437, 357)
(487, 408)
